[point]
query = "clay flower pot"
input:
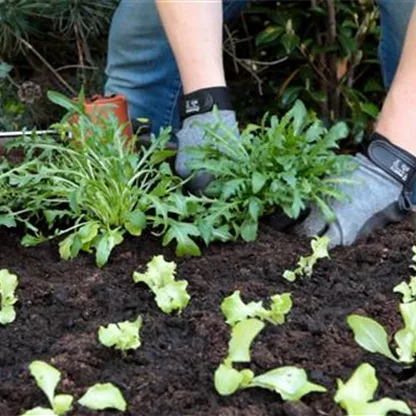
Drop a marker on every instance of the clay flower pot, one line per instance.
(114, 104)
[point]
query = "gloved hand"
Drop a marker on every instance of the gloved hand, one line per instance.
(196, 109)
(380, 195)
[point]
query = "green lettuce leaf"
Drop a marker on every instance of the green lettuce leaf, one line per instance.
(354, 396)
(8, 286)
(242, 335)
(290, 382)
(122, 336)
(370, 335)
(103, 396)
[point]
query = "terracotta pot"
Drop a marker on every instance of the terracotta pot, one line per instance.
(114, 104)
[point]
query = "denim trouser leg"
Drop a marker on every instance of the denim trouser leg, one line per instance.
(141, 64)
(395, 15)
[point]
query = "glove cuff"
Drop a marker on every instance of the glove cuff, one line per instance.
(203, 101)
(398, 163)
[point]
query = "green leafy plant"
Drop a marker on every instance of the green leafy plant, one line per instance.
(356, 395)
(103, 396)
(290, 382)
(47, 379)
(306, 264)
(97, 397)
(370, 335)
(281, 164)
(93, 188)
(235, 310)
(170, 294)
(8, 285)
(122, 336)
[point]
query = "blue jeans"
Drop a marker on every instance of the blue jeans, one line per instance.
(141, 64)
(395, 15)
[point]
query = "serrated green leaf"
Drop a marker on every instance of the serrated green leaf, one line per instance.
(181, 232)
(7, 221)
(173, 296)
(103, 396)
(8, 286)
(123, 335)
(235, 310)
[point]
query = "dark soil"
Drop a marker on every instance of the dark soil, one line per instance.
(62, 304)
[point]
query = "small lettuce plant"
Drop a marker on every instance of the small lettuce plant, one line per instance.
(47, 379)
(170, 294)
(306, 264)
(370, 335)
(235, 310)
(8, 286)
(290, 382)
(98, 397)
(356, 395)
(122, 336)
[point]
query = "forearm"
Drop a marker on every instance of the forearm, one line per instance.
(194, 30)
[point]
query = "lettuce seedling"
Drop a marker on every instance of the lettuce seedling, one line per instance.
(103, 396)
(8, 285)
(370, 335)
(47, 378)
(306, 264)
(97, 397)
(235, 310)
(290, 382)
(356, 394)
(122, 336)
(170, 295)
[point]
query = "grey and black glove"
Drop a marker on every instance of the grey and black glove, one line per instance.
(380, 193)
(196, 110)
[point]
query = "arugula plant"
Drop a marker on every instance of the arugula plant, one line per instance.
(235, 310)
(170, 294)
(280, 164)
(306, 264)
(370, 335)
(356, 395)
(97, 397)
(94, 187)
(122, 336)
(8, 286)
(290, 382)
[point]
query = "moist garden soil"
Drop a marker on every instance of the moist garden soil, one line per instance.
(63, 303)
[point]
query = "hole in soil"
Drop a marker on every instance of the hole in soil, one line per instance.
(403, 373)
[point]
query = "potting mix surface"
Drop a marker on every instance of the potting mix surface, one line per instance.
(63, 303)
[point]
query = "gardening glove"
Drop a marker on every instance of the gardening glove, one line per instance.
(381, 193)
(196, 110)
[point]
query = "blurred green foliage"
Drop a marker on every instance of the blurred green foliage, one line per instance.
(323, 52)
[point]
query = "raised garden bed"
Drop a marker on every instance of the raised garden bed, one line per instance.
(62, 304)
